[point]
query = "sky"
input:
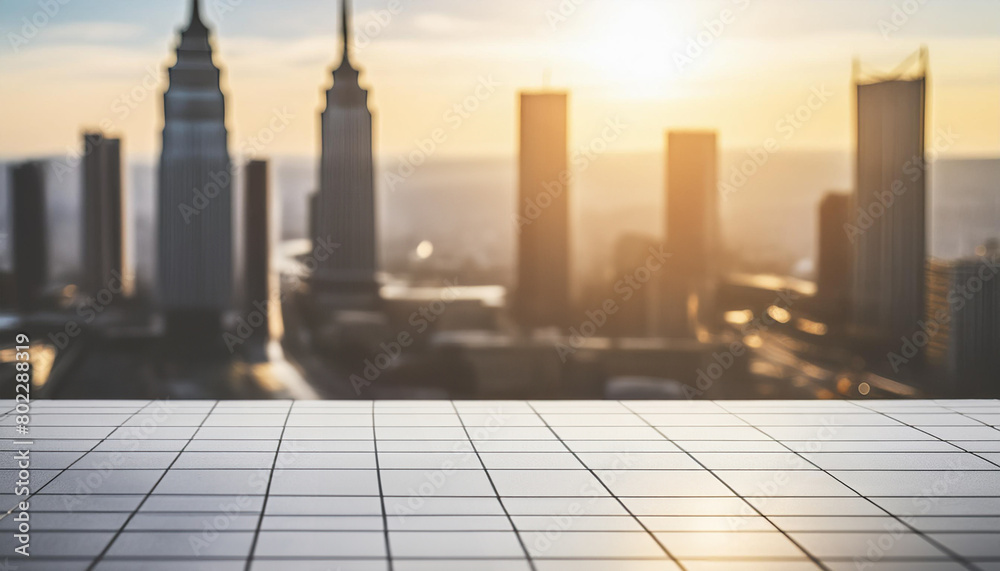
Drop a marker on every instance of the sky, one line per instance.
(741, 67)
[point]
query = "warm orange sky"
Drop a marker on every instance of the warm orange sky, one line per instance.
(617, 57)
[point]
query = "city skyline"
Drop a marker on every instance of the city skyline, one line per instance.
(730, 268)
(616, 58)
(708, 296)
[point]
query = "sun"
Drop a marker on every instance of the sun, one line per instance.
(630, 46)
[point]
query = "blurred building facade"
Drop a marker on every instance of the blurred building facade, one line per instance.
(257, 247)
(8, 293)
(962, 324)
(890, 204)
(195, 188)
(30, 235)
(833, 272)
(692, 223)
(542, 297)
(344, 209)
(103, 212)
(637, 315)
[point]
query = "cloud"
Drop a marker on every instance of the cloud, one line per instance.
(268, 53)
(100, 32)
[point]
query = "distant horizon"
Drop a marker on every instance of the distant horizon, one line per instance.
(147, 159)
(478, 195)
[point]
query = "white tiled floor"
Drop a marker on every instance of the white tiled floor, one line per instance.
(543, 486)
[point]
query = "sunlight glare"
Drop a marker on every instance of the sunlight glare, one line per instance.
(631, 48)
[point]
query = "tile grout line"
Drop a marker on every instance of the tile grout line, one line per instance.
(381, 493)
(964, 561)
(961, 560)
(613, 495)
(938, 438)
(103, 553)
(422, 434)
(976, 454)
(513, 527)
(267, 490)
(812, 557)
(82, 456)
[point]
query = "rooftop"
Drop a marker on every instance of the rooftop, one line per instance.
(544, 485)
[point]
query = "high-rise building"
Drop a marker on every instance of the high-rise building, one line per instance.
(195, 178)
(257, 229)
(543, 292)
(692, 222)
(312, 206)
(833, 280)
(103, 214)
(962, 324)
(692, 209)
(345, 207)
(8, 291)
(30, 235)
(890, 205)
(638, 301)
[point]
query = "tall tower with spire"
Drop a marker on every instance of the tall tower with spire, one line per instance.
(345, 205)
(195, 249)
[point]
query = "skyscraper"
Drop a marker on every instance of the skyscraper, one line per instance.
(257, 229)
(890, 205)
(833, 282)
(637, 312)
(962, 324)
(103, 216)
(692, 221)
(542, 295)
(30, 234)
(195, 199)
(345, 206)
(312, 210)
(8, 291)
